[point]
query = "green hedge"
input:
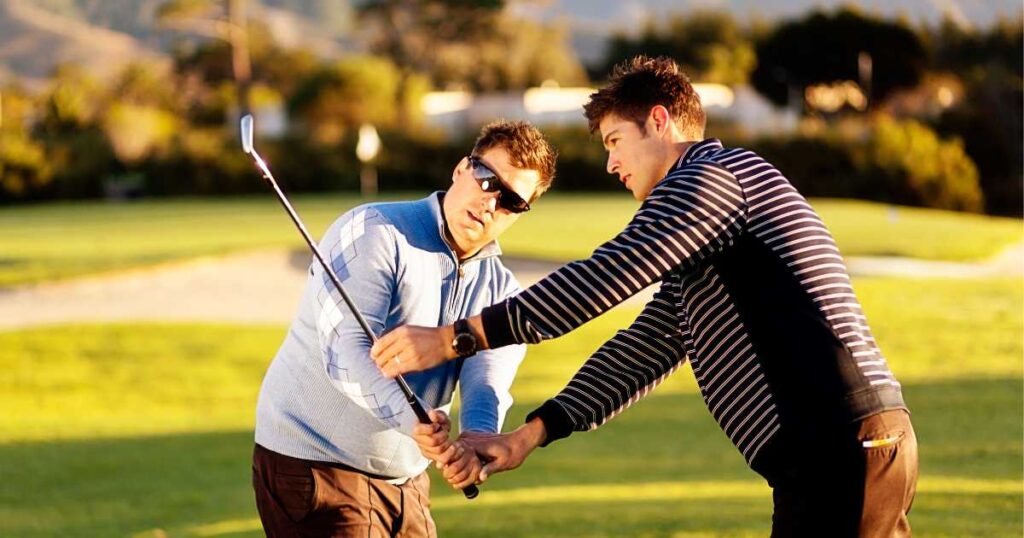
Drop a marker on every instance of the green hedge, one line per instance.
(881, 159)
(896, 161)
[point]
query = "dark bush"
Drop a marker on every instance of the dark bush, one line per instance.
(899, 162)
(816, 166)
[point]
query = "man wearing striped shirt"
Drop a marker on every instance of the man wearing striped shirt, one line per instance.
(754, 295)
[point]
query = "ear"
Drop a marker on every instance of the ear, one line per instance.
(462, 165)
(661, 119)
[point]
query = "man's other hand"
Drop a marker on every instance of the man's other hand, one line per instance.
(433, 438)
(413, 349)
(504, 452)
(463, 468)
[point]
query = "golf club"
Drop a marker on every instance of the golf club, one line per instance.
(470, 491)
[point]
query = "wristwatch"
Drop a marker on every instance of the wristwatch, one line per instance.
(464, 343)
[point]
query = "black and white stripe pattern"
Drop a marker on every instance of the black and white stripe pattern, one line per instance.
(708, 201)
(783, 220)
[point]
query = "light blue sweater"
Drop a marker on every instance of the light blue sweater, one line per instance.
(324, 399)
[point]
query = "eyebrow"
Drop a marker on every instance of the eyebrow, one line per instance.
(604, 141)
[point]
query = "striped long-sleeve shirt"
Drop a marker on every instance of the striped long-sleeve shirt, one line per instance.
(754, 294)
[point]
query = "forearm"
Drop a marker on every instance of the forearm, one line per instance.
(531, 435)
(620, 372)
(485, 384)
(674, 229)
(476, 324)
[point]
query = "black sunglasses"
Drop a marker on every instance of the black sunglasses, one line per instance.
(490, 181)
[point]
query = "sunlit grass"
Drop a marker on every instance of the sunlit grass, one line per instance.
(571, 226)
(40, 243)
(121, 430)
(54, 241)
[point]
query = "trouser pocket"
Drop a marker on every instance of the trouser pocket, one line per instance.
(296, 494)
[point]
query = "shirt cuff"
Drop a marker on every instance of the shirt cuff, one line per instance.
(497, 325)
(557, 423)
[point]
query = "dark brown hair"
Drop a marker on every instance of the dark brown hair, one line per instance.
(638, 85)
(526, 146)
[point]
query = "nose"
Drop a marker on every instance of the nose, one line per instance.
(491, 202)
(613, 163)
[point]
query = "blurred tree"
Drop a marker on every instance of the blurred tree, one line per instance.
(413, 32)
(709, 46)
(877, 157)
(990, 118)
(136, 131)
(142, 114)
(518, 54)
(339, 97)
(93, 130)
(147, 84)
(922, 168)
(284, 69)
(17, 107)
(204, 69)
(223, 19)
(965, 51)
(75, 99)
(825, 48)
(24, 169)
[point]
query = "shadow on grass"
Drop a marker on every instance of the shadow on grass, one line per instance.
(119, 487)
(663, 469)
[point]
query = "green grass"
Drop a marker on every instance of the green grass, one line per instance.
(54, 241)
(46, 242)
(867, 228)
(118, 430)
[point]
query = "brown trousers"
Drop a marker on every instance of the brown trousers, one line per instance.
(860, 489)
(299, 498)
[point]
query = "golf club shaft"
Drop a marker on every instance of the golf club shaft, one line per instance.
(470, 491)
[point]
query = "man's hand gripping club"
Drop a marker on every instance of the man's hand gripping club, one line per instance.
(458, 463)
(499, 452)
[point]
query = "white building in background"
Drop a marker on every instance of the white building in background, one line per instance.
(457, 112)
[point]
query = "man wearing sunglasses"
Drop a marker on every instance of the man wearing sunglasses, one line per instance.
(334, 454)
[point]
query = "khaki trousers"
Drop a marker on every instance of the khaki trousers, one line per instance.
(300, 498)
(860, 488)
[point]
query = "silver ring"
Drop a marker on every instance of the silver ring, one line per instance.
(397, 360)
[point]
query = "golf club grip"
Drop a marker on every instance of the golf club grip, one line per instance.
(470, 491)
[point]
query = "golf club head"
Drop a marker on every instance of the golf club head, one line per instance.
(247, 133)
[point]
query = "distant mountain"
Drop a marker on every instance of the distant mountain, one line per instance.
(611, 15)
(103, 36)
(592, 21)
(36, 35)
(33, 40)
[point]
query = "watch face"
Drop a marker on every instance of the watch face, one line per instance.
(464, 344)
